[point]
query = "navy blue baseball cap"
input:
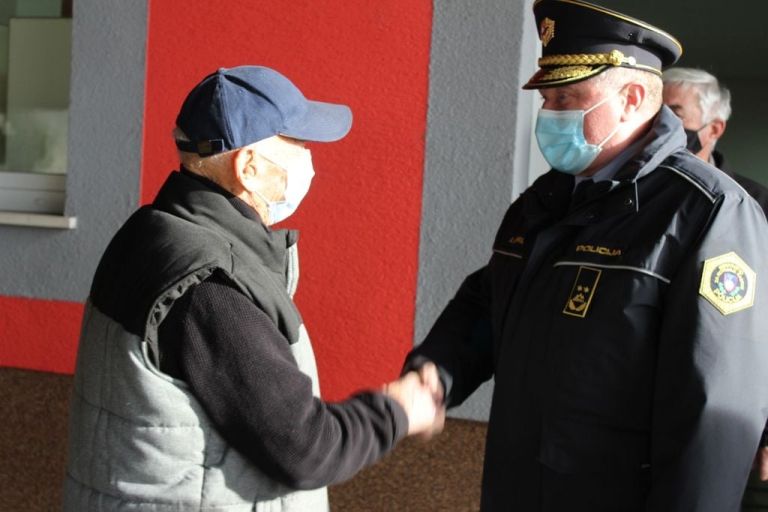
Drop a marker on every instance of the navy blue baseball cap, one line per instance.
(234, 107)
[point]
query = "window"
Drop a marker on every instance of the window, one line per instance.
(35, 57)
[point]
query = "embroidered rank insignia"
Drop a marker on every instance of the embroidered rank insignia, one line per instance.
(546, 31)
(582, 292)
(728, 283)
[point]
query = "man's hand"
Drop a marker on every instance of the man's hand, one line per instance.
(431, 379)
(420, 394)
(761, 463)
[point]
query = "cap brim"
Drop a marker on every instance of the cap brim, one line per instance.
(322, 122)
(564, 75)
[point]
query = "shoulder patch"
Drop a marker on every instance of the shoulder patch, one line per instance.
(728, 283)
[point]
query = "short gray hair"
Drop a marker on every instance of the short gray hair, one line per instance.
(619, 76)
(714, 97)
(208, 166)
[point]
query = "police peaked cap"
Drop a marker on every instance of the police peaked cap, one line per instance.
(580, 40)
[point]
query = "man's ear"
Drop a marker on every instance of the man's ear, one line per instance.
(245, 168)
(636, 95)
(716, 129)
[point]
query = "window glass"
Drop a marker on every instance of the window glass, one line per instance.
(35, 54)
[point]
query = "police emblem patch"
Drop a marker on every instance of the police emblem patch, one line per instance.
(546, 31)
(728, 283)
(582, 292)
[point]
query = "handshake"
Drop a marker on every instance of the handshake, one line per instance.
(420, 393)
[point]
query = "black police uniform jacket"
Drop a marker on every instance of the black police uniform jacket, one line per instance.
(627, 335)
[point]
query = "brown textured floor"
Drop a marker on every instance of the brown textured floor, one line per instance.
(441, 475)
(33, 412)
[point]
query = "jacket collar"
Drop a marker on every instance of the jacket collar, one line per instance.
(666, 136)
(719, 161)
(196, 199)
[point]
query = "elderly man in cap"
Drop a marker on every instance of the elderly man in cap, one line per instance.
(703, 104)
(619, 312)
(196, 386)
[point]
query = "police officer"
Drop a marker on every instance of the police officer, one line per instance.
(621, 312)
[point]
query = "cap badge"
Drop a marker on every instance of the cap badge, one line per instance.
(728, 283)
(582, 292)
(547, 31)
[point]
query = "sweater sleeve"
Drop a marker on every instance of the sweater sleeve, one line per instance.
(241, 369)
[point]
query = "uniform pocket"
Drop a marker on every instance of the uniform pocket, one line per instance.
(577, 447)
(601, 358)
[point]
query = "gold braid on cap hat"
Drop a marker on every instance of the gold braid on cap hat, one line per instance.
(565, 72)
(614, 58)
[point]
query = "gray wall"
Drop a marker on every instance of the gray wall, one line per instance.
(105, 131)
(478, 140)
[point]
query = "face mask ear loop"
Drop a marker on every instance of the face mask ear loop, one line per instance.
(268, 204)
(610, 135)
(702, 127)
(593, 107)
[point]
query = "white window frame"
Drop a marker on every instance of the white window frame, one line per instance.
(34, 199)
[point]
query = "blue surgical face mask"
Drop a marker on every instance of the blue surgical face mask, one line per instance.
(560, 134)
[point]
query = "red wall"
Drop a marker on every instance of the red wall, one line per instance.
(360, 222)
(39, 334)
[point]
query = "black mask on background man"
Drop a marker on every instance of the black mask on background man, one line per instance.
(694, 143)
